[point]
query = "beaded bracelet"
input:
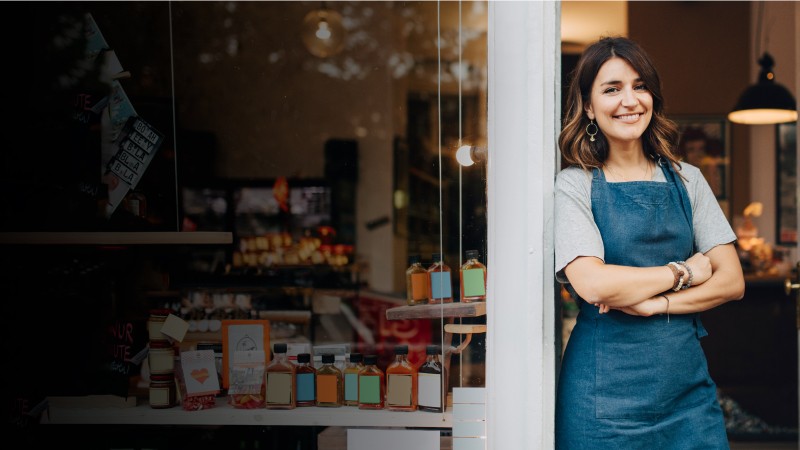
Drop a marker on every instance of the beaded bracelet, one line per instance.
(678, 272)
(689, 271)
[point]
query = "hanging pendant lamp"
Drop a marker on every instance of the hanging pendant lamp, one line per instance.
(765, 102)
(323, 33)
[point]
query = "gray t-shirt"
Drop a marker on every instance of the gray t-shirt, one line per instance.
(576, 233)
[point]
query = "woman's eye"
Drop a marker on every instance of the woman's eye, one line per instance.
(640, 87)
(610, 90)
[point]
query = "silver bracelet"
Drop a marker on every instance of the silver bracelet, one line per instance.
(667, 299)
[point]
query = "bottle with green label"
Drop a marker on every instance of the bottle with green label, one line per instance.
(371, 385)
(473, 279)
(351, 379)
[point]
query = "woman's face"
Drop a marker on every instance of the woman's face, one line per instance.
(620, 102)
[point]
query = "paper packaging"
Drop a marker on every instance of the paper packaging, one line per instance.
(295, 348)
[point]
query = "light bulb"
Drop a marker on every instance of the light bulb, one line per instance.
(323, 33)
(467, 155)
(464, 155)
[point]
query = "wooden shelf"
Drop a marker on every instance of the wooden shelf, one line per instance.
(436, 311)
(115, 238)
(223, 414)
(464, 329)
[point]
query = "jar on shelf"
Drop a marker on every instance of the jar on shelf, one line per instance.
(155, 322)
(163, 392)
(161, 358)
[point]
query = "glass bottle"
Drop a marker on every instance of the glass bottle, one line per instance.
(329, 382)
(306, 377)
(371, 386)
(431, 390)
(416, 282)
(351, 379)
(281, 387)
(440, 289)
(401, 382)
(473, 279)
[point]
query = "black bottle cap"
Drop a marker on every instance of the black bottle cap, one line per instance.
(432, 350)
(356, 357)
(473, 254)
(279, 348)
(413, 259)
(328, 358)
(304, 357)
(400, 349)
(371, 360)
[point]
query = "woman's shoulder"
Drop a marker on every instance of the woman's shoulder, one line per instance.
(573, 174)
(690, 172)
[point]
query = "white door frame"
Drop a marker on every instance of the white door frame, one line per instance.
(524, 94)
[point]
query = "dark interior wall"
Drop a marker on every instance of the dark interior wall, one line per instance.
(702, 50)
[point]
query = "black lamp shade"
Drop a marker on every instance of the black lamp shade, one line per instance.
(765, 102)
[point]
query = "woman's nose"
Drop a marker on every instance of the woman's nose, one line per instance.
(629, 98)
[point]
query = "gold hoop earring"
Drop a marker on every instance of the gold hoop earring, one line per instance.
(591, 135)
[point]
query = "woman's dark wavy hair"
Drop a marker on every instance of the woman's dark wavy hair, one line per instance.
(660, 139)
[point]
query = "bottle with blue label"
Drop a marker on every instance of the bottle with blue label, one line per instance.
(306, 381)
(440, 288)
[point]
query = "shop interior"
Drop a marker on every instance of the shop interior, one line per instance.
(289, 181)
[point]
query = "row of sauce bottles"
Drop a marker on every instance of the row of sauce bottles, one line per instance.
(433, 285)
(402, 387)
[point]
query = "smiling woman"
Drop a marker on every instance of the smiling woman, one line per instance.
(642, 247)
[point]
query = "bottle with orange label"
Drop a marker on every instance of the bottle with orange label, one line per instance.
(329, 383)
(416, 282)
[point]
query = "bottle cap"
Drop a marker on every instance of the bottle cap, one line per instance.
(279, 348)
(328, 358)
(413, 259)
(304, 357)
(370, 360)
(473, 254)
(356, 357)
(400, 349)
(432, 350)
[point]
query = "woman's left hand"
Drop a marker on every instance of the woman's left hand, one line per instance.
(646, 308)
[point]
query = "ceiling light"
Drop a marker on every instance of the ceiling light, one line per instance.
(765, 102)
(323, 33)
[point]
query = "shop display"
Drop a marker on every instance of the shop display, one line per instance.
(441, 285)
(329, 383)
(247, 385)
(473, 278)
(371, 385)
(351, 379)
(306, 381)
(401, 382)
(197, 380)
(416, 282)
(431, 391)
(281, 387)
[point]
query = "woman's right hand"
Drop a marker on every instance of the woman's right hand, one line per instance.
(700, 265)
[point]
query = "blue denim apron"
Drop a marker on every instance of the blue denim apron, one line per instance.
(630, 382)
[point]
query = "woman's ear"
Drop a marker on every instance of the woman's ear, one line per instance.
(589, 113)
